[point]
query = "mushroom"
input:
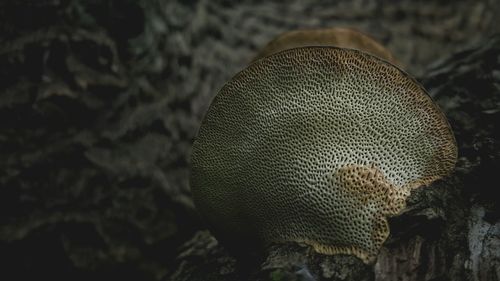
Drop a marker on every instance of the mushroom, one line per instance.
(317, 145)
(336, 36)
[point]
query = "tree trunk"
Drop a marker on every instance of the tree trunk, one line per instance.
(100, 101)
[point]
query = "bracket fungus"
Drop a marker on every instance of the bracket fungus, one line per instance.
(317, 145)
(335, 36)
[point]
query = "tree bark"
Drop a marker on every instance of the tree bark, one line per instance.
(100, 101)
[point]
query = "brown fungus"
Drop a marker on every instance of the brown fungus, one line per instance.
(335, 36)
(317, 145)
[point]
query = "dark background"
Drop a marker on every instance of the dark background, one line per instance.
(100, 101)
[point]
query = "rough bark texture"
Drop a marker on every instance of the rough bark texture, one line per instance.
(100, 101)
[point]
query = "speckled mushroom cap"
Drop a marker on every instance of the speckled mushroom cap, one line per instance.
(317, 145)
(335, 37)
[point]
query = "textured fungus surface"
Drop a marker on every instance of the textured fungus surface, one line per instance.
(317, 145)
(365, 230)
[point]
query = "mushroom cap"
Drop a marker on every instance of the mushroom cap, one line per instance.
(331, 37)
(317, 145)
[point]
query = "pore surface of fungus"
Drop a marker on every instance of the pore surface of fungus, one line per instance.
(317, 145)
